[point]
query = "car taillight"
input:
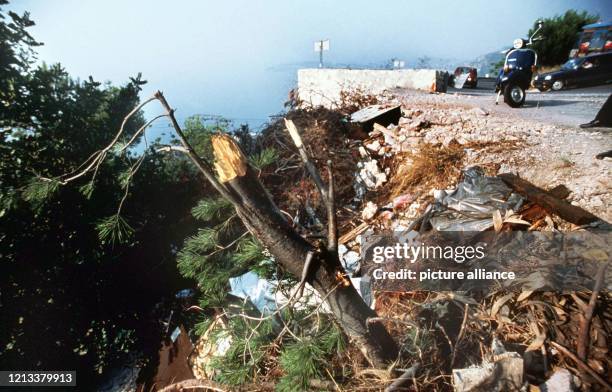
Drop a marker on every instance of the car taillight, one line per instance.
(584, 47)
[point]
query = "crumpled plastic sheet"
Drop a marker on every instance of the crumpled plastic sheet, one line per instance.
(264, 295)
(350, 260)
(259, 291)
(266, 298)
(471, 205)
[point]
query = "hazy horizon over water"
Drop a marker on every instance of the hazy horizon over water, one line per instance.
(238, 59)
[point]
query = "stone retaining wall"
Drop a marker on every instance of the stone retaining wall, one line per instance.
(322, 87)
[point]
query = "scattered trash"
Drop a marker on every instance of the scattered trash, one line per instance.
(175, 334)
(401, 164)
(259, 291)
(213, 343)
(470, 207)
(402, 201)
(173, 360)
(468, 379)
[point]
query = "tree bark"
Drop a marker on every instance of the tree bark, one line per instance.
(263, 218)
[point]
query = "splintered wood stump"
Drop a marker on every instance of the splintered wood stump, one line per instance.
(265, 221)
(548, 201)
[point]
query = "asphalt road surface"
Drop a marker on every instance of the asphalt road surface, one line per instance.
(566, 107)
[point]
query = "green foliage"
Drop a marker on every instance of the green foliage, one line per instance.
(87, 189)
(265, 268)
(248, 251)
(302, 361)
(242, 361)
(114, 230)
(253, 345)
(211, 209)
(559, 35)
(38, 191)
(333, 340)
(124, 178)
(202, 326)
(204, 241)
(264, 158)
(305, 360)
(199, 134)
(17, 48)
(212, 256)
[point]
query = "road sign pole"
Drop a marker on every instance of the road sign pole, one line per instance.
(321, 54)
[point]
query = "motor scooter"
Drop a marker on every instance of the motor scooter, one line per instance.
(515, 77)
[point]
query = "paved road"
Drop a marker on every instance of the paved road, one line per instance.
(567, 107)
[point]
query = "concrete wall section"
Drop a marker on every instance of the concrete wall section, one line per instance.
(322, 87)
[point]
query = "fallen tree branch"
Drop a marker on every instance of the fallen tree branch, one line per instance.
(550, 203)
(585, 323)
(139, 131)
(581, 364)
(98, 157)
(406, 377)
(332, 226)
(172, 148)
(305, 273)
(353, 233)
(290, 250)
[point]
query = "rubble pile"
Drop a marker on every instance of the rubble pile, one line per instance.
(424, 154)
(437, 167)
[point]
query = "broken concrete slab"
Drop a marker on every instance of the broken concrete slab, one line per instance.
(379, 114)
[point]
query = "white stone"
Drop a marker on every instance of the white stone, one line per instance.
(369, 211)
(374, 146)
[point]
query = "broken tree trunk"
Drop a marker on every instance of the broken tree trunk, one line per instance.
(290, 250)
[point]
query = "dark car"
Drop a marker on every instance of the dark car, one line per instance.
(468, 73)
(577, 72)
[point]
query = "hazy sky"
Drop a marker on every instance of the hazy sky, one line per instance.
(238, 58)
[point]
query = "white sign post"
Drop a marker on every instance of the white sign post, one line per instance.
(320, 46)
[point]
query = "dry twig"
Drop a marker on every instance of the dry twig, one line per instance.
(585, 323)
(314, 173)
